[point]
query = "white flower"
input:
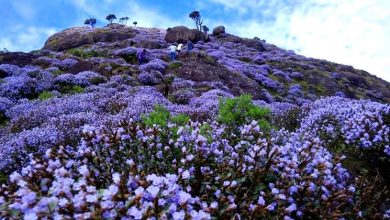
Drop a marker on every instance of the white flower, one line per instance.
(136, 213)
(178, 215)
(139, 191)
(30, 216)
(83, 170)
(185, 175)
(14, 177)
(153, 190)
(183, 197)
(91, 198)
(116, 178)
(261, 201)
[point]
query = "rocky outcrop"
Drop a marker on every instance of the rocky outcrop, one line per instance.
(17, 58)
(218, 30)
(75, 37)
(203, 68)
(182, 34)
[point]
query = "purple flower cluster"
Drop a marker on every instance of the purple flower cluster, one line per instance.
(143, 172)
(153, 77)
(295, 90)
(359, 123)
(85, 78)
(155, 64)
(296, 75)
(18, 87)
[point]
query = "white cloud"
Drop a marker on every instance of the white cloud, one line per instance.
(24, 9)
(27, 39)
(5, 43)
(353, 32)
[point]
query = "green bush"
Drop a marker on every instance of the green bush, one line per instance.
(57, 72)
(206, 130)
(175, 65)
(159, 116)
(241, 110)
(87, 53)
(45, 95)
(130, 58)
(3, 119)
(76, 90)
(97, 80)
(180, 119)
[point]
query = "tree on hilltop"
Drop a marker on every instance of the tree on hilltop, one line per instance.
(90, 21)
(111, 18)
(123, 20)
(205, 29)
(195, 15)
(135, 23)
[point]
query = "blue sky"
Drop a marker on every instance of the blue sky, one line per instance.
(353, 32)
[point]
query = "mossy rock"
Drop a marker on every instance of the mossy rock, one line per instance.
(78, 36)
(175, 65)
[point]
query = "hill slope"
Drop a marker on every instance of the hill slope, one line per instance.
(88, 132)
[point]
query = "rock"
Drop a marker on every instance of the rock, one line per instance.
(75, 37)
(252, 43)
(80, 67)
(17, 58)
(182, 34)
(218, 30)
(202, 68)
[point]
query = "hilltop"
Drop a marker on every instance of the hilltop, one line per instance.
(243, 65)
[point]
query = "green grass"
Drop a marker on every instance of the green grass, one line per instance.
(245, 59)
(175, 65)
(76, 90)
(57, 72)
(45, 95)
(86, 53)
(131, 58)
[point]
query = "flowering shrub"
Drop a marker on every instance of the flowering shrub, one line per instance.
(155, 64)
(150, 78)
(87, 78)
(182, 96)
(295, 90)
(296, 75)
(358, 123)
(173, 171)
(18, 87)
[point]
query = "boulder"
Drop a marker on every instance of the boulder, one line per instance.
(17, 58)
(78, 36)
(218, 30)
(80, 67)
(182, 34)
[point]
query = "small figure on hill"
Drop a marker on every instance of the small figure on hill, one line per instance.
(172, 52)
(190, 46)
(179, 48)
(141, 56)
(111, 18)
